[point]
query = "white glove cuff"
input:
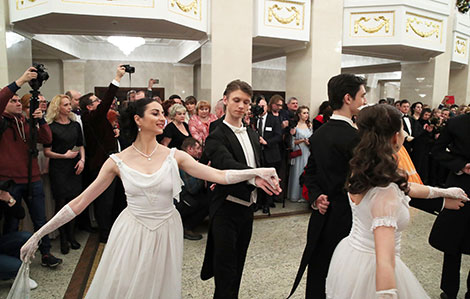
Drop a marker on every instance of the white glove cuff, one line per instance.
(387, 294)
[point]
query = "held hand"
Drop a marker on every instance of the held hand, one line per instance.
(455, 192)
(428, 128)
(307, 142)
(466, 169)
(262, 141)
(79, 167)
(38, 113)
(29, 249)
(266, 186)
(453, 204)
(322, 203)
(70, 154)
(28, 75)
(6, 197)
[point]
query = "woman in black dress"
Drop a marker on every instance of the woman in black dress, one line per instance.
(67, 159)
(177, 131)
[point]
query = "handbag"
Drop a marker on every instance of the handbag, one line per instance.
(295, 154)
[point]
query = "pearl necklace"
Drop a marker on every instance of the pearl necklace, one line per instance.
(145, 155)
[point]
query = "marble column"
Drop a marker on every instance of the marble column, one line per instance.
(308, 70)
(3, 44)
(459, 85)
(231, 44)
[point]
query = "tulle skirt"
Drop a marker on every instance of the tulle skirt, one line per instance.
(139, 262)
(352, 275)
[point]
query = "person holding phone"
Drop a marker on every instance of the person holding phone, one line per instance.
(67, 159)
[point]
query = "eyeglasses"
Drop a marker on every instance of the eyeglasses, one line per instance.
(42, 101)
(95, 100)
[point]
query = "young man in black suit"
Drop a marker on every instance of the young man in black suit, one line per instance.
(325, 176)
(231, 146)
(451, 231)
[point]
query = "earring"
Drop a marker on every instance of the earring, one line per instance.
(139, 129)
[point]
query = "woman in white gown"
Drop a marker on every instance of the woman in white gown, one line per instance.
(367, 263)
(143, 256)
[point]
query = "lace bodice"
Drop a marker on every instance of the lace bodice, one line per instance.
(380, 206)
(150, 196)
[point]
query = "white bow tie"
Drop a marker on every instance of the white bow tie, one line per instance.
(239, 130)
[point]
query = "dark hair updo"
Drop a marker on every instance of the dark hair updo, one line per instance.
(127, 124)
(374, 163)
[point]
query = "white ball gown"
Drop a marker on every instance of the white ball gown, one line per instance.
(352, 269)
(144, 253)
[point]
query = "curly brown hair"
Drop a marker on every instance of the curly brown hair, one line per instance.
(374, 163)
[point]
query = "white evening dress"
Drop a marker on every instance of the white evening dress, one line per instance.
(352, 269)
(144, 253)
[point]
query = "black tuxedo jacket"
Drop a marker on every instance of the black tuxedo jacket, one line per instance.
(451, 230)
(273, 135)
(225, 152)
(216, 123)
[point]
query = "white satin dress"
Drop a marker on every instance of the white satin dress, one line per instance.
(352, 269)
(144, 253)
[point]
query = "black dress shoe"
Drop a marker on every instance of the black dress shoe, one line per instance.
(272, 205)
(190, 235)
(64, 247)
(74, 244)
(445, 296)
(266, 210)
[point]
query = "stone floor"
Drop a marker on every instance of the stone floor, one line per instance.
(272, 261)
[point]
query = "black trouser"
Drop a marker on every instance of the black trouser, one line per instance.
(450, 279)
(108, 206)
(193, 210)
(263, 198)
(231, 230)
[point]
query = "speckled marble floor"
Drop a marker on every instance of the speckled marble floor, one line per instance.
(272, 261)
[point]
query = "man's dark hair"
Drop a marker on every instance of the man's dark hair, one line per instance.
(69, 94)
(257, 98)
(382, 101)
(273, 100)
(238, 85)
(174, 96)
(404, 101)
(189, 142)
(85, 100)
(341, 85)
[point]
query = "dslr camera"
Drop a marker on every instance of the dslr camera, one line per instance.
(256, 110)
(128, 68)
(42, 76)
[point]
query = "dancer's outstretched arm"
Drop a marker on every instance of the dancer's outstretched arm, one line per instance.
(69, 211)
(265, 178)
(454, 198)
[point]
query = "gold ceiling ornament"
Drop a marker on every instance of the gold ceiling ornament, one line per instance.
(461, 46)
(385, 22)
(185, 7)
(22, 1)
(295, 16)
(410, 23)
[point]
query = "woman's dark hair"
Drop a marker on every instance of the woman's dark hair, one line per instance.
(374, 163)
(325, 110)
(341, 85)
(297, 114)
(127, 123)
(190, 100)
(166, 106)
(413, 107)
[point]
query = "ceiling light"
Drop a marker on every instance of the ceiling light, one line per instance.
(422, 95)
(126, 44)
(13, 38)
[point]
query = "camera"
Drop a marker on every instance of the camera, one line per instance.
(128, 68)
(42, 76)
(256, 110)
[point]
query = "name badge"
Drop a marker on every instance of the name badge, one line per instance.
(269, 129)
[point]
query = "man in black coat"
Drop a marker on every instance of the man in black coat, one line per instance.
(270, 138)
(451, 231)
(231, 146)
(325, 177)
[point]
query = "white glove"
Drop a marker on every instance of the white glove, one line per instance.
(387, 294)
(62, 217)
(234, 176)
(452, 192)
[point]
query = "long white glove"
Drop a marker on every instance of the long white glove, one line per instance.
(62, 217)
(234, 176)
(452, 192)
(387, 294)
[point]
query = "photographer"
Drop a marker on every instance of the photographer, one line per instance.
(100, 142)
(14, 154)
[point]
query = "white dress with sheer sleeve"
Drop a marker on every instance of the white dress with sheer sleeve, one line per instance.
(144, 253)
(352, 269)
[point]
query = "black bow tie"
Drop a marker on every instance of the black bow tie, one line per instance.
(404, 116)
